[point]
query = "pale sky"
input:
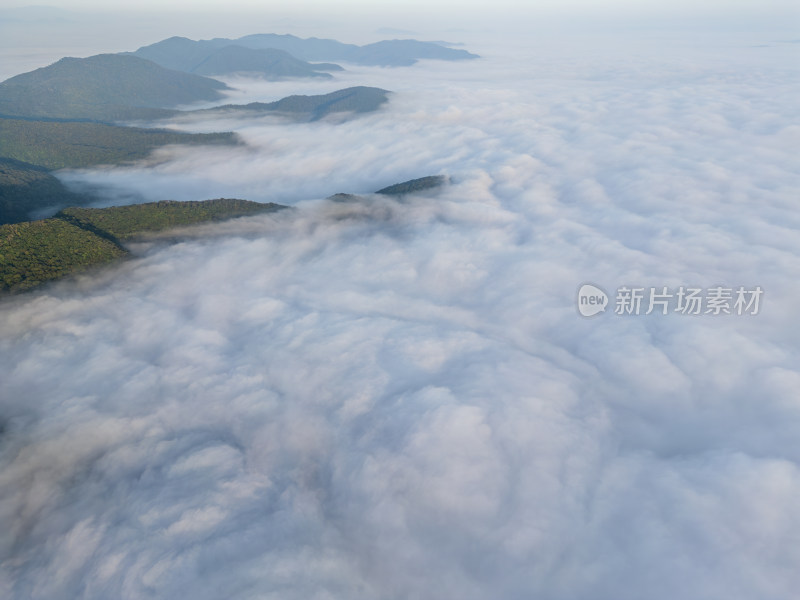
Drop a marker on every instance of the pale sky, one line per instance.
(527, 6)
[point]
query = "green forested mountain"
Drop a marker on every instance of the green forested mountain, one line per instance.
(105, 87)
(37, 251)
(74, 144)
(358, 99)
(219, 57)
(29, 149)
(124, 222)
(185, 55)
(34, 252)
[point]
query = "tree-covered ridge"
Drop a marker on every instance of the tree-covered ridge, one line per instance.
(359, 99)
(76, 144)
(104, 87)
(414, 185)
(34, 252)
(125, 222)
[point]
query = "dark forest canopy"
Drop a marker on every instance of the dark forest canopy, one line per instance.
(34, 252)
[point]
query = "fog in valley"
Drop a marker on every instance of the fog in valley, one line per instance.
(397, 397)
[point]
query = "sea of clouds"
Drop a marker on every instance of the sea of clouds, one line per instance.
(397, 398)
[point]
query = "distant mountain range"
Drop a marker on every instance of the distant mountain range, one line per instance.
(289, 54)
(64, 115)
(118, 87)
(217, 57)
(153, 81)
(388, 53)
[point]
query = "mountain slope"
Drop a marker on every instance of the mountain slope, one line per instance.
(413, 186)
(178, 53)
(103, 87)
(268, 63)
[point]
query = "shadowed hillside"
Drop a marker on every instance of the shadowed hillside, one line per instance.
(26, 188)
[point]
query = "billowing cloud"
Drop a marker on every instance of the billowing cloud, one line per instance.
(398, 398)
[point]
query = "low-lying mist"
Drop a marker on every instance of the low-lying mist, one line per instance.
(396, 397)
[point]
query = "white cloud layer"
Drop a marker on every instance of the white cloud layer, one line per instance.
(398, 399)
